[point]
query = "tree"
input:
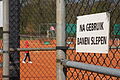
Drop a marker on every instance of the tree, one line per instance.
(36, 13)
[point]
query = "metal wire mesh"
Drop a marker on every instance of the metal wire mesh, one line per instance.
(76, 8)
(1, 31)
(1, 60)
(1, 46)
(32, 22)
(36, 19)
(39, 16)
(42, 68)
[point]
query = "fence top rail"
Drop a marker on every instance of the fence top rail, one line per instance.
(42, 49)
(93, 68)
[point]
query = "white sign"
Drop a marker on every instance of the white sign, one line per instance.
(1, 14)
(93, 33)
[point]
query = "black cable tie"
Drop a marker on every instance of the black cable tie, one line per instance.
(6, 32)
(58, 60)
(61, 48)
(5, 51)
(5, 76)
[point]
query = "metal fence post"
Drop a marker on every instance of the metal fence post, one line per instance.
(5, 39)
(60, 31)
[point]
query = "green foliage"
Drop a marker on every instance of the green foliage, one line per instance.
(36, 12)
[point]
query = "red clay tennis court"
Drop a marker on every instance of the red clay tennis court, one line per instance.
(44, 62)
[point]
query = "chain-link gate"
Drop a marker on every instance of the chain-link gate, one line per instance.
(76, 8)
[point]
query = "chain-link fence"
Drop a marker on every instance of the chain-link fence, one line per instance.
(76, 8)
(32, 28)
(1, 60)
(33, 33)
(1, 31)
(37, 26)
(1, 46)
